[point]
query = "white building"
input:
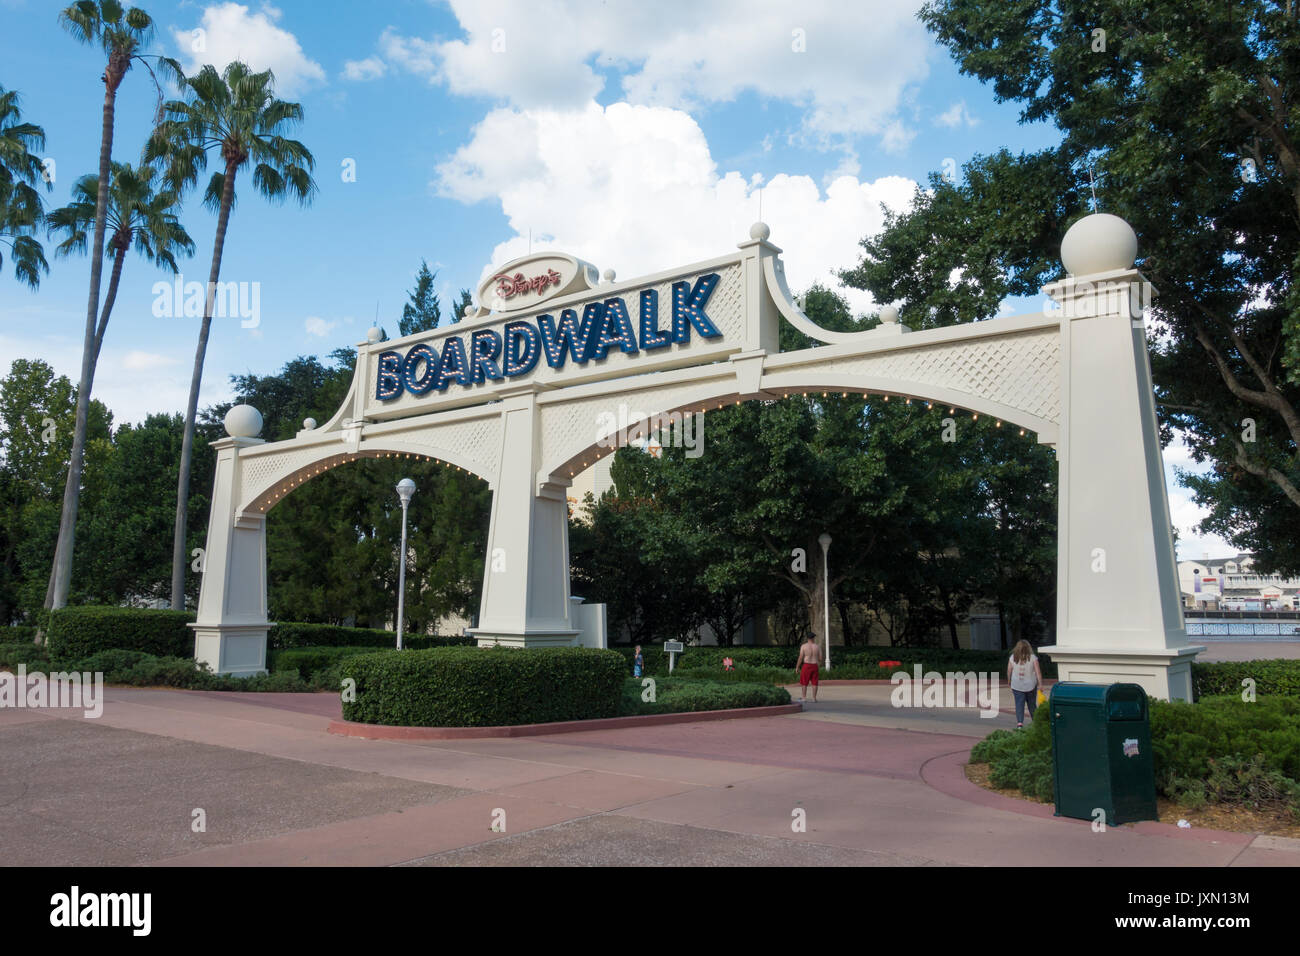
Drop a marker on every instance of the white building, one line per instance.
(1232, 584)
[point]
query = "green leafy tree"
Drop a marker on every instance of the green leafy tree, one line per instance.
(236, 114)
(21, 208)
(35, 440)
(1186, 118)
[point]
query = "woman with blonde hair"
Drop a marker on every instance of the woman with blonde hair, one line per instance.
(1025, 677)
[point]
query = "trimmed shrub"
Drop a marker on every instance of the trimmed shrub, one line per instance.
(1220, 749)
(77, 632)
(11, 655)
(1225, 677)
(289, 634)
(310, 661)
(682, 694)
(483, 686)
(1185, 738)
(138, 669)
(18, 634)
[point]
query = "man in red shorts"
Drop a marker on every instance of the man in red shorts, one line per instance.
(809, 662)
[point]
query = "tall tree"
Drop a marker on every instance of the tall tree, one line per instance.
(237, 114)
(121, 34)
(35, 408)
(1187, 116)
(424, 310)
(21, 209)
(463, 302)
(137, 217)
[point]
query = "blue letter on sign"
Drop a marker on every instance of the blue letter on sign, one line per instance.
(522, 347)
(418, 353)
(570, 336)
(688, 307)
(652, 337)
(486, 346)
(452, 363)
(388, 383)
(616, 330)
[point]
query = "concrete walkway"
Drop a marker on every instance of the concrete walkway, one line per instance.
(872, 786)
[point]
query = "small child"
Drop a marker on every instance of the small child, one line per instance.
(637, 662)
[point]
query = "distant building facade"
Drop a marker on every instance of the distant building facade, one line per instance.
(1232, 584)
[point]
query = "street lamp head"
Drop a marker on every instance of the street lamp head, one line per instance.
(405, 489)
(824, 540)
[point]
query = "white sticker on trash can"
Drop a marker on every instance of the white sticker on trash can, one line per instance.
(1131, 747)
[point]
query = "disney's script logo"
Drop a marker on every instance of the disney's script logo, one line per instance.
(510, 286)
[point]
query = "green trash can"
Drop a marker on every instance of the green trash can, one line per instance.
(1101, 752)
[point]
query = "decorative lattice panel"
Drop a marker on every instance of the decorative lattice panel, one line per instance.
(1020, 370)
(476, 441)
(570, 427)
(260, 472)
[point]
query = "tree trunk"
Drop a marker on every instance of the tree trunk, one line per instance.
(179, 554)
(952, 619)
(56, 594)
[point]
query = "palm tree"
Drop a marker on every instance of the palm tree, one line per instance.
(237, 114)
(136, 216)
(121, 34)
(21, 210)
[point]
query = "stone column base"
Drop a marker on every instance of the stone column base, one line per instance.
(488, 637)
(1164, 672)
(235, 649)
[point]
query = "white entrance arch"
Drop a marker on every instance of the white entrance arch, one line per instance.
(517, 397)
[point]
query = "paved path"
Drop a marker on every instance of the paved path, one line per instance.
(874, 786)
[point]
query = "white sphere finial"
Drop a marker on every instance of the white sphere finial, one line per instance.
(374, 334)
(889, 315)
(308, 424)
(759, 230)
(469, 310)
(609, 275)
(243, 421)
(1098, 243)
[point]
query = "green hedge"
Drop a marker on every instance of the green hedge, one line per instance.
(1225, 677)
(310, 661)
(79, 631)
(291, 634)
(682, 694)
(483, 686)
(18, 633)
(11, 655)
(1219, 750)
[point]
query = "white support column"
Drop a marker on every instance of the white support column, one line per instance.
(525, 599)
(1119, 617)
(230, 632)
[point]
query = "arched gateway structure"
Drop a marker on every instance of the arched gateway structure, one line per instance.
(523, 395)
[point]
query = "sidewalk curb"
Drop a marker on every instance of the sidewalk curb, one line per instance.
(946, 774)
(348, 728)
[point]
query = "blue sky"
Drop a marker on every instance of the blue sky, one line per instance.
(636, 136)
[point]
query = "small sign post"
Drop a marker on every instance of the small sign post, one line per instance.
(672, 649)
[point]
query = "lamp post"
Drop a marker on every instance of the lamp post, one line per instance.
(405, 489)
(825, 541)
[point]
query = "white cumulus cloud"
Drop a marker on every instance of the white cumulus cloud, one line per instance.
(230, 31)
(846, 64)
(315, 325)
(653, 197)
